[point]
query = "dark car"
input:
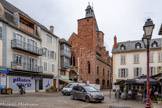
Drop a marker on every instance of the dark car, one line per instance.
(87, 93)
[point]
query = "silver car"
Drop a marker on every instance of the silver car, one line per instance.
(67, 89)
(87, 93)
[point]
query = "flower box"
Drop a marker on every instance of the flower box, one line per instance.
(4, 91)
(9, 91)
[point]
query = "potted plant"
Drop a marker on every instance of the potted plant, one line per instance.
(4, 90)
(47, 90)
(9, 90)
(159, 100)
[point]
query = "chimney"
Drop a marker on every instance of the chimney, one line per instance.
(51, 29)
(115, 42)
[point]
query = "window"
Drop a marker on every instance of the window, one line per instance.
(137, 72)
(44, 51)
(103, 72)
(48, 53)
(0, 32)
(136, 58)
(122, 47)
(122, 59)
(103, 82)
(73, 60)
(107, 83)
(97, 70)
(18, 39)
(138, 45)
(45, 66)
(160, 56)
(62, 73)
(97, 37)
(53, 68)
(154, 44)
(89, 68)
(123, 73)
(52, 54)
(151, 57)
(48, 39)
(18, 59)
(97, 81)
(152, 71)
(159, 69)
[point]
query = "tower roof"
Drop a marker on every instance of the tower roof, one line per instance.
(90, 13)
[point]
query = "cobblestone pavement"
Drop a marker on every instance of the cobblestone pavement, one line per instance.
(57, 100)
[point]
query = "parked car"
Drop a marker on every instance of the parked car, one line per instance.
(87, 93)
(67, 89)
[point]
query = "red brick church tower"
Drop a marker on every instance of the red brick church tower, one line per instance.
(90, 61)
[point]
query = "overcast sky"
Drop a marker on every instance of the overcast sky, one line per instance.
(123, 18)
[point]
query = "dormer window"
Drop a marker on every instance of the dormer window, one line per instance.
(122, 47)
(154, 44)
(138, 45)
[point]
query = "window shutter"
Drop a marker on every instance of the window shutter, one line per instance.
(149, 71)
(154, 70)
(135, 73)
(28, 45)
(119, 73)
(140, 72)
(14, 36)
(28, 62)
(14, 57)
(126, 72)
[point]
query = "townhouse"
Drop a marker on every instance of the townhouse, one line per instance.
(28, 51)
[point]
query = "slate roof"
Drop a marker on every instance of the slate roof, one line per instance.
(63, 41)
(130, 45)
(12, 9)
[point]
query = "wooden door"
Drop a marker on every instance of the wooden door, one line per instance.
(54, 83)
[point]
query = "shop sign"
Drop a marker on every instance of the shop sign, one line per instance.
(14, 81)
(3, 70)
(3, 81)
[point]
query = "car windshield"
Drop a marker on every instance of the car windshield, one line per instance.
(90, 89)
(69, 86)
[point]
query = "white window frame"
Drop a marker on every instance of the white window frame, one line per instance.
(136, 58)
(45, 68)
(123, 59)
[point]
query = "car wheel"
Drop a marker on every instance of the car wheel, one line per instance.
(72, 97)
(87, 99)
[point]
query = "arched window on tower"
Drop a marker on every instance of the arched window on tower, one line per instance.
(97, 70)
(89, 67)
(73, 60)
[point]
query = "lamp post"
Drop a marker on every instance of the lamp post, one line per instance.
(148, 29)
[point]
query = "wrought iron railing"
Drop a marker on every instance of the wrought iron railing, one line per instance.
(15, 43)
(26, 67)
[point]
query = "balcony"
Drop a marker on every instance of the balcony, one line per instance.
(65, 53)
(26, 67)
(26, 28)
(65, 65)
(17, 44)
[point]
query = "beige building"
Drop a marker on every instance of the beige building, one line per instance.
(28, 50)
(130, 59)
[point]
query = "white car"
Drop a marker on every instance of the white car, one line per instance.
(67, 89)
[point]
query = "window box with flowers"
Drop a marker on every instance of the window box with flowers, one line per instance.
(9, 90)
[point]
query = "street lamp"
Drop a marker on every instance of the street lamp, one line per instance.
(148, 29)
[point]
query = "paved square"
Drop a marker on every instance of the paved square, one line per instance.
(57, 100)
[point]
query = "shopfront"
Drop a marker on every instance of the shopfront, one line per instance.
(3, 78)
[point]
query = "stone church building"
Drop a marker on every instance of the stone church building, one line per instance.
(90, 62)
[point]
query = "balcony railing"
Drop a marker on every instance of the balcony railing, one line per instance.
(26, 28)
(26, 47)
(26, 67)
(65, 65)
(65, 53)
